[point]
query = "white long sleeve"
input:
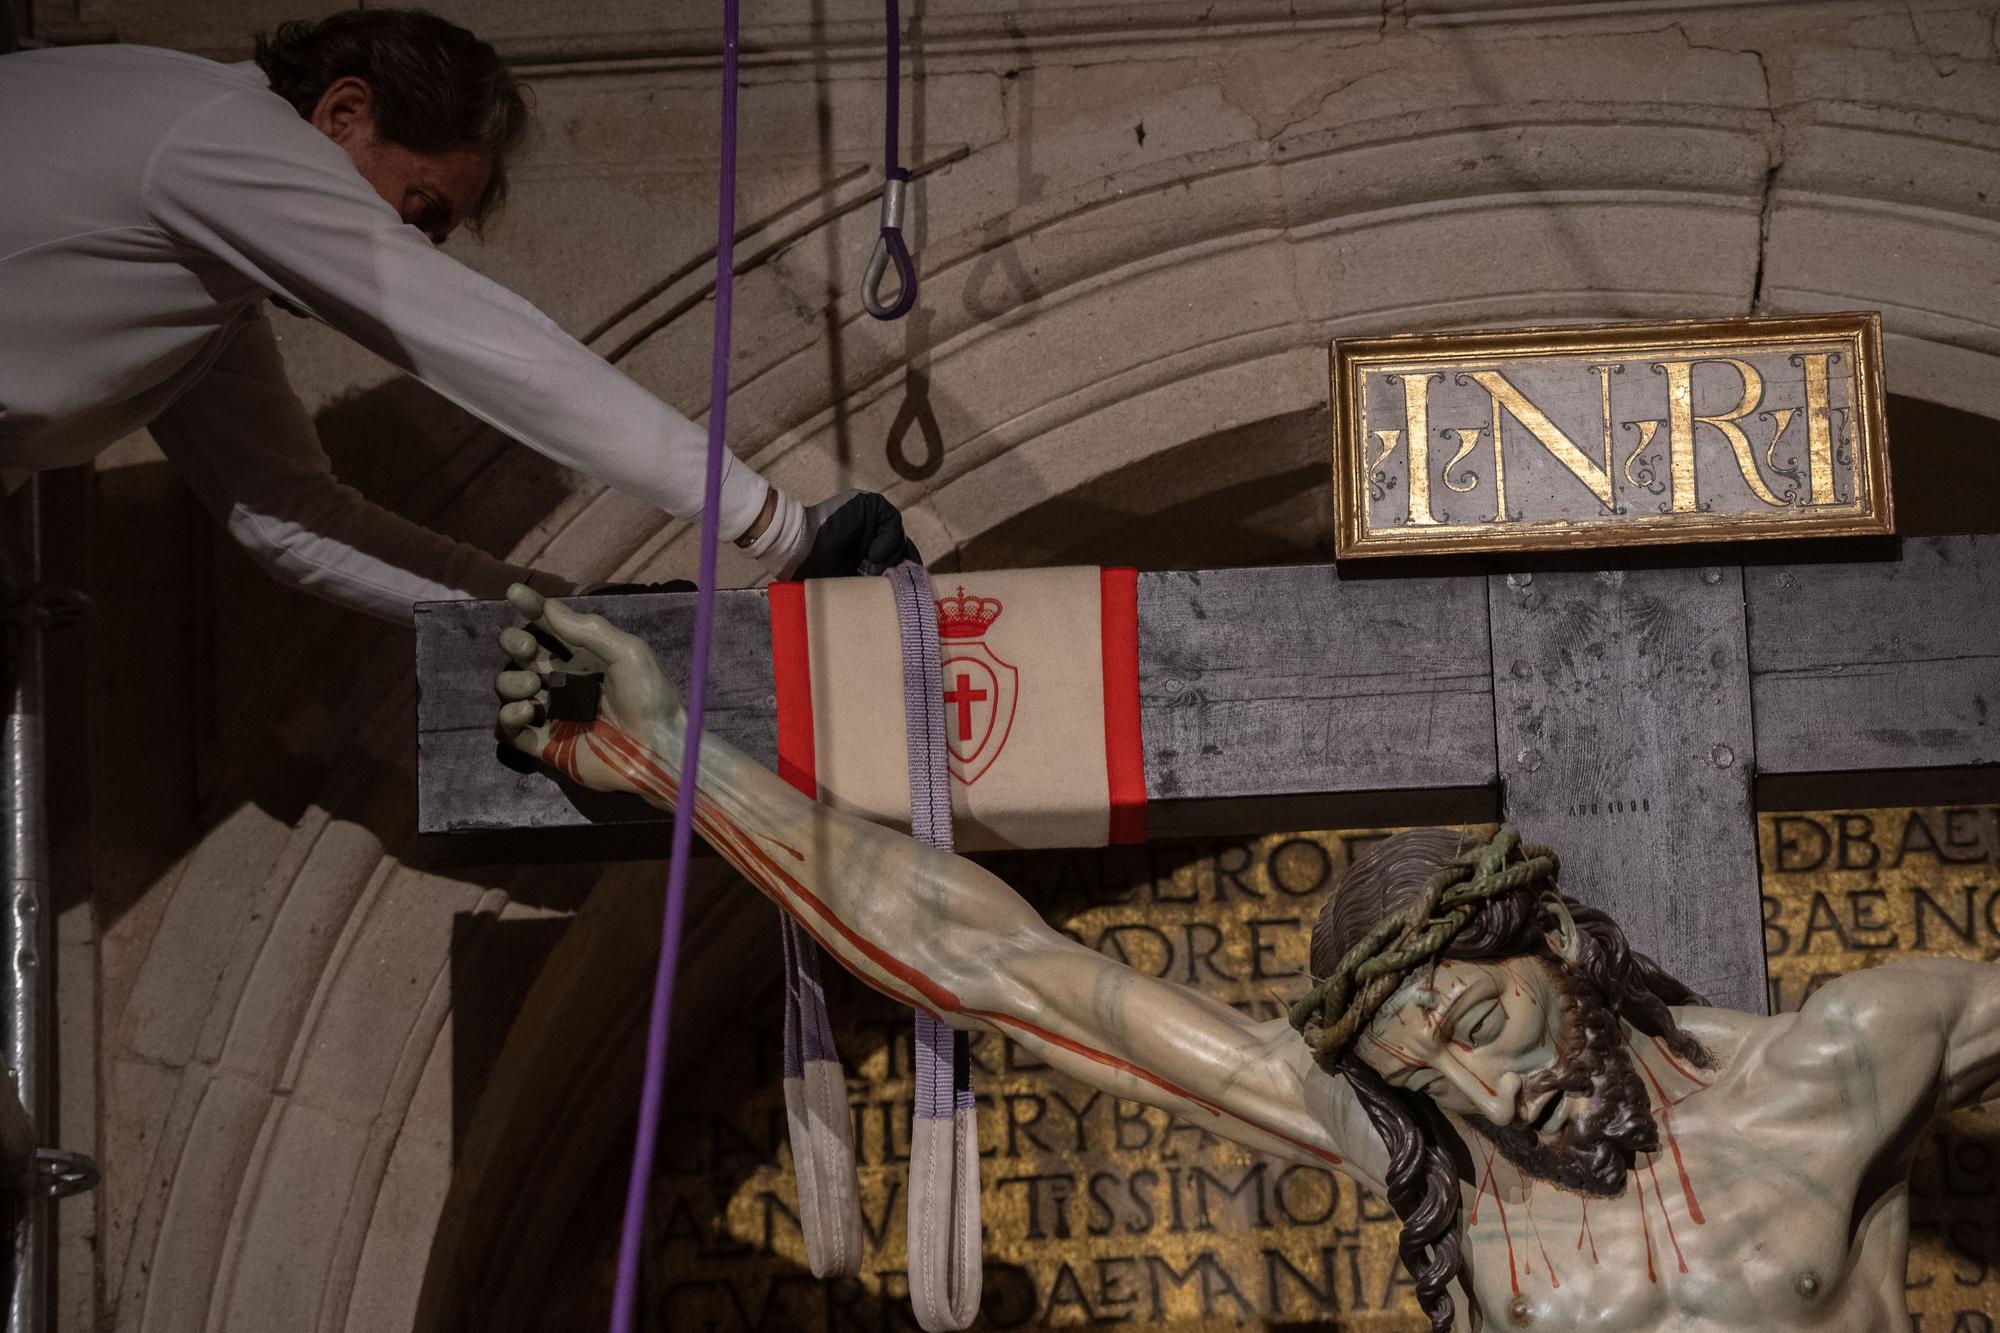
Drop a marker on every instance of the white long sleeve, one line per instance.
(153, 199)
(244, 443)
(246, 180)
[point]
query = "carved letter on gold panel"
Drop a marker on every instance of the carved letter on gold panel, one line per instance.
(1417, 419)
(1819, 435)
(1723, 469)
(1682, 420)
(1515, 402)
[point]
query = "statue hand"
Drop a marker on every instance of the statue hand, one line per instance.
(638, 716)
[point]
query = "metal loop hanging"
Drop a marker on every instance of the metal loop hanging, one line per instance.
(890, 247)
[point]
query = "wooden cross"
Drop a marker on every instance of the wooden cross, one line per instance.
(1633, 717)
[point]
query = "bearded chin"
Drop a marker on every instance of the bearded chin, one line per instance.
(1608, 1127)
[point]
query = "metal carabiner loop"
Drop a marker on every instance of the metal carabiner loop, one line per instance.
(890, 249)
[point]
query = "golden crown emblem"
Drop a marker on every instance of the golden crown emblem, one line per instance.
(963, 617)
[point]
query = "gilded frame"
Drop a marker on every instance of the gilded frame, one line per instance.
(1351, 358)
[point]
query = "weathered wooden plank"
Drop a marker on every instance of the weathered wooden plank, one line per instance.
(1281, 697)
(1622, 712)
(1881, 664)
(1288, 684)
(1266, 682)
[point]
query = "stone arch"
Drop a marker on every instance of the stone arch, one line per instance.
(1103, 307)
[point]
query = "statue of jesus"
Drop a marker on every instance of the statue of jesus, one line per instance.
(1571, 1139)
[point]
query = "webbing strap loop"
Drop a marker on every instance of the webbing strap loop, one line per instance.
(944, 1233)
(816, 1115)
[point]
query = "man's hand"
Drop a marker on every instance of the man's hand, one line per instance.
(854, 532)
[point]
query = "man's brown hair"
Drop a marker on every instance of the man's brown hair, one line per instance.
(437, 87)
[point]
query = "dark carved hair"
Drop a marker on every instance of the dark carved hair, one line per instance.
(1426, 1157)
(437, 87)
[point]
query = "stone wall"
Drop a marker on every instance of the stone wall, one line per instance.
(1139, 225)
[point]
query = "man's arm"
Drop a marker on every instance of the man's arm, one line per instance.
(248, 181)
(934, 930)
(245, 445)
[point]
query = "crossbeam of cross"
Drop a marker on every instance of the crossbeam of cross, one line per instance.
(1633, 717)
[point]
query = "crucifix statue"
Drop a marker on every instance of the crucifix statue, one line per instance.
(1570, 1136)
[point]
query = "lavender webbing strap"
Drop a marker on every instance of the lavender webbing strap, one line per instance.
(816, 1115)
(944, 1157)
(923, 707)
(808, 1030)
(943, 1083)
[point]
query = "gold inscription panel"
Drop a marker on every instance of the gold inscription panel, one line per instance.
(1099, 1210)
(1609, 436)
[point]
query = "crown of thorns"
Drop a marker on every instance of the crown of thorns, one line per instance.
(1341, 1004)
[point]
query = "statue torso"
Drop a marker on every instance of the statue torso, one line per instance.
(1760, 1211)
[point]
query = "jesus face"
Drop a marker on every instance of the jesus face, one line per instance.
(1525, 1052)
(1475, 1038)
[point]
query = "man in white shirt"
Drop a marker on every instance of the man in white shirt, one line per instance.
(154, 200)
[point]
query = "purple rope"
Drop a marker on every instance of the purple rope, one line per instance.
(892, 119)
(890, 247)
(625, 1299)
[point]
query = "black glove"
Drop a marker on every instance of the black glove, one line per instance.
(854, 532)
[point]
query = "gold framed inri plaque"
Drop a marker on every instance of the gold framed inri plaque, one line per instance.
(1610, 435)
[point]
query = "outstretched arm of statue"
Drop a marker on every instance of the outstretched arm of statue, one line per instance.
(931, 929)
(1920, 1037)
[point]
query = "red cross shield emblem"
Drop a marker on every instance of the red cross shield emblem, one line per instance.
(980, 690)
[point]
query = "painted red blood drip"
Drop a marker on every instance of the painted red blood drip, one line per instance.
(1673, 1143)
(1475, 1078)
(1536, 1227)
(560, 750)
(1645, 1227)
(1661, 1200)
(1407, 1057)
(1583, 1233)
(1668, 1054)
(1500, 1207)
(1487, 1182)
(646, 770)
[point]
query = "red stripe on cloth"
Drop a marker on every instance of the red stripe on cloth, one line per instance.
(791, 678)
(1124, 756)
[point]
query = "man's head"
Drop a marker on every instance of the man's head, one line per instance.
(425, 110)
(1461, 982)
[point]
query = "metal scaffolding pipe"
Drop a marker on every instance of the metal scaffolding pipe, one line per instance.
(24, 854)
